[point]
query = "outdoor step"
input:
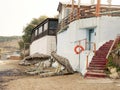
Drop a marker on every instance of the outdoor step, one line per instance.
(97, 71)
(107, 44)
(101, 52)
(100, 63)
(95, 65)
(99, 59)
(103, 49)
(93, 74)
(101, 56)
(96, 68)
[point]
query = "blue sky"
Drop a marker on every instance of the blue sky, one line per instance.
(15, 14)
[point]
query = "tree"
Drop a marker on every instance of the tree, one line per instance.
(26, 38)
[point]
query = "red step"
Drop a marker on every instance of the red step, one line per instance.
(96, 68)
(95, 65)
(99, 59)
(97, 71)
(93, 74)
(98, 64)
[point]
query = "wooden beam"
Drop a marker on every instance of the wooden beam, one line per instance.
(98, 8)
(78, 15)
(72, 5)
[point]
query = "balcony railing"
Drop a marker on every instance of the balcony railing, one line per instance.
(88, 12)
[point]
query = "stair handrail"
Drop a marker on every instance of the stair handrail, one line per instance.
(92, 50)
(112, 46)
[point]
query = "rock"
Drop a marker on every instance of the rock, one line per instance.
(63, 61)
(113, 70)
(38, 56)
(47, 64)
(114, 75)
(33, 59)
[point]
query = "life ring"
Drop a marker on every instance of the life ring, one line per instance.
(78, 47)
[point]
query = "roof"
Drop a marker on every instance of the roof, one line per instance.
(64, 4)
(46, 20)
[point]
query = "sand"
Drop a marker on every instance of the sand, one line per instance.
(64, 82)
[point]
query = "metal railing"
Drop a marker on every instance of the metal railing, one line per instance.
(116, 41)
(92, 48)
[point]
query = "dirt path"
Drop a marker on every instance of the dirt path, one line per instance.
(65, 82)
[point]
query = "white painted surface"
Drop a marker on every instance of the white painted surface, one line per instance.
(105, 28)
(44, 45)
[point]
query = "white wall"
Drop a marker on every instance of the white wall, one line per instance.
(66, 43)
(43, 45)
(106, 28)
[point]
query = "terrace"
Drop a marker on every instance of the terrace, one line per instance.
(88, 11)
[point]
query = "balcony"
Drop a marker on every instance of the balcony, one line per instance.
(88, 11)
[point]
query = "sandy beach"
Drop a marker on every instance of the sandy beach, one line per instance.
(64, 82)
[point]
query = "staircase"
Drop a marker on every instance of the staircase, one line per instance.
(98, 64)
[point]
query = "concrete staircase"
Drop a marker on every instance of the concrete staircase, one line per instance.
(98, 64)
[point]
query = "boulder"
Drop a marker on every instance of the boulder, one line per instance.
(63, 61)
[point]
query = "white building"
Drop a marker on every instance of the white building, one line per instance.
(44, 37)
(87, 23)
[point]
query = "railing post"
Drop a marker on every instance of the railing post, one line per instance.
(94, 48)
(87, 62)
(98, 8)
(85, 44)
(78, 11)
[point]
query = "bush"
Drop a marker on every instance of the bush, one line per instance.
(111, 63)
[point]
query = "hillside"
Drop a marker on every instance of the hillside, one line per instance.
(10, 38)
(9, 43)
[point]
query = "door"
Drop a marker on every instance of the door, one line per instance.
(90, 37)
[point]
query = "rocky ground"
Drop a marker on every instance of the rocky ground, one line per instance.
(12, 77)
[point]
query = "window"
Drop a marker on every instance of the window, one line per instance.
(36, 32)
(40, 29)
(45, 26)
(53, 24)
